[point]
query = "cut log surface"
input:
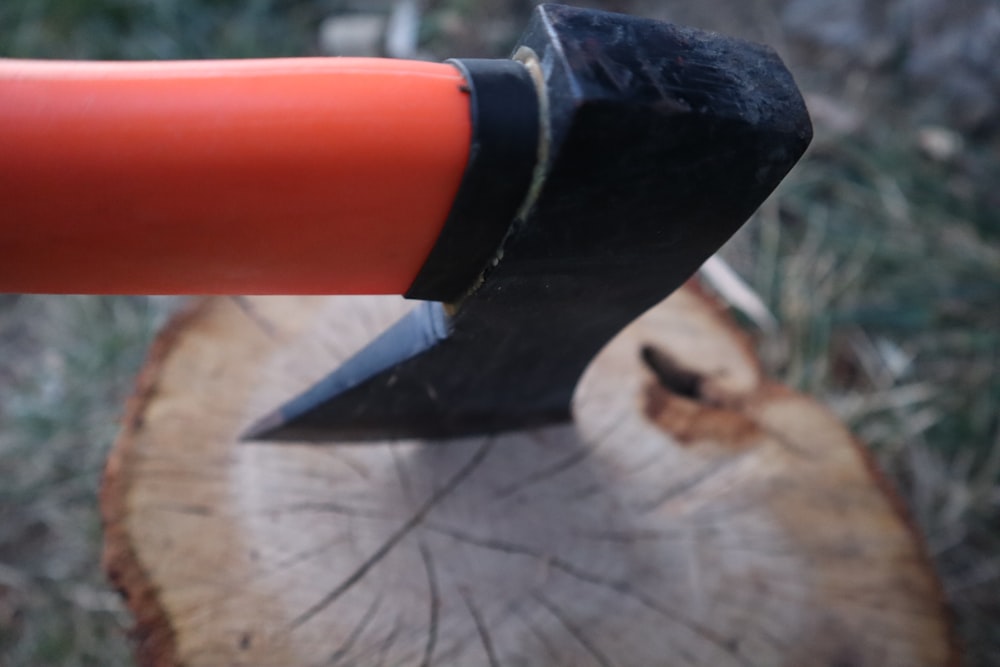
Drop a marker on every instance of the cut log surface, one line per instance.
(694, 513)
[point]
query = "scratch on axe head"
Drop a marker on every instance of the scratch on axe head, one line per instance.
(613, 156)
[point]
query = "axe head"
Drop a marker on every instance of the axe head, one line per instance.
(615, 155)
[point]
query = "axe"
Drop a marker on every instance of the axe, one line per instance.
(534, 206)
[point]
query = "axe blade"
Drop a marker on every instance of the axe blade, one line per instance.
(654, 144)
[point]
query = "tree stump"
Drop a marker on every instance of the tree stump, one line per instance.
(694, 513)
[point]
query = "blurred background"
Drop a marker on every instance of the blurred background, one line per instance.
(874, 271)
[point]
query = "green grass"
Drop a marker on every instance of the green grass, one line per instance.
(157, 29)
(886, 282)
(881, 264)
(66, 368)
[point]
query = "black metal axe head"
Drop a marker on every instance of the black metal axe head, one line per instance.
(612, 156)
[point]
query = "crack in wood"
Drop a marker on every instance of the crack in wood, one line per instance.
(394, 539)
(545, 474)
(573, 630)
(355, 634)
(435, 605)
(685, 487)
(481, 628)
(621, 588)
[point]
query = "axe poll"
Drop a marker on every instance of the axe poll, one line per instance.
(534, 205)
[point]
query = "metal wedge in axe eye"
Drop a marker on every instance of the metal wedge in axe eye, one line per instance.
(612, 156)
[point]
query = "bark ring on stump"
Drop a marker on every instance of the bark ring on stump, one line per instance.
(694, 513)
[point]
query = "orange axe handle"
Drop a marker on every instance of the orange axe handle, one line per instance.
(301, 176)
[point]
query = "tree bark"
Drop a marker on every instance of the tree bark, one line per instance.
(694, 513)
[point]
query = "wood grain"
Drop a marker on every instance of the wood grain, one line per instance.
(694, 513)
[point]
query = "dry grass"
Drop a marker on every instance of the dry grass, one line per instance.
(67, 363)
(885, 286)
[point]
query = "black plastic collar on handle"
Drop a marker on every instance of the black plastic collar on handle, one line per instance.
(502, 156)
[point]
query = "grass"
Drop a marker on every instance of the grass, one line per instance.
(886, 285)
(881, 264)
(67, 365)
(157, 29)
